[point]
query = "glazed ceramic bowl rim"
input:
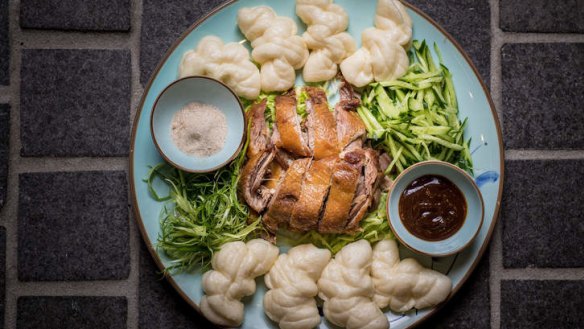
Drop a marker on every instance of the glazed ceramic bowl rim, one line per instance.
(403, 240)
(168, 158)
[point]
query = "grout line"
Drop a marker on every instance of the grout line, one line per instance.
(511, 37)
(496, 76)
(495, 268)
(543, 274)
(47, 39)
(495, 254)
(543, 154)
(133, 291)
(10, 211)
(49, 164)
(73, 288)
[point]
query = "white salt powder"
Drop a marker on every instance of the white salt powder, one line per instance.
(199, 129)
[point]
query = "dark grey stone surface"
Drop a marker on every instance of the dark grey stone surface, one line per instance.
(4, 44)
(162, 23)
(470, 307)
(469, 22)
(4, 150)
(160, 305)
(36, 312)
(543, 95)
(73, 226)
(75, 102)
(542, 304)
(542, 16)
(2, 275)
(543, 213)
(84, 15)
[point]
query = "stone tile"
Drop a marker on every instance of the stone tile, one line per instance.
(75, 102)
(542, 96)
(542, 304)
(36, 312)
(4, 44)
(160, 305)
(73, 226)
(2, 275)
(542, 16)
(470, 307)
(469, 22)
(162, 23)
(4, 150)
(84, 15)
(543, 214)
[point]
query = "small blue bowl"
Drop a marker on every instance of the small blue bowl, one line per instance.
(474, 214)
(203, 90)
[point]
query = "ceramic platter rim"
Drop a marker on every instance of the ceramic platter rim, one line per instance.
(136, 183)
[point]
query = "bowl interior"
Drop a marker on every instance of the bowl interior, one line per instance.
(202, 90)
(472, 222)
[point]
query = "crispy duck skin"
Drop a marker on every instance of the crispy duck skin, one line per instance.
(322, 128)
(289, 135)
(365, 191)
(344, 185)
(255, 194)
(315, 187)
(349, 125)
(286, 196)
(259, 135)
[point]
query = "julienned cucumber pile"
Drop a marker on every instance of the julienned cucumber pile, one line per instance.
(415, 117)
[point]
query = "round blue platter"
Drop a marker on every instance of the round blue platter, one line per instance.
(474, 103)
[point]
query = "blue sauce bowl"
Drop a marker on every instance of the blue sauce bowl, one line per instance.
(474, 214)
(203, 90)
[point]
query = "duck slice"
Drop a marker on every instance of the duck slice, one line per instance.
(321, 125)
(252, 177)
(259, 135)
(284, 158)
(289, 135)
(349, 126)
(286, 195)
(366, 189)
(345, 179)
(315, 187)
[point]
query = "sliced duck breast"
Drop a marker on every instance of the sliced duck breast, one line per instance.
(285, 197)
(289, 135)
(315, 187)
(345, 179)
(349, 126)
(321, 125)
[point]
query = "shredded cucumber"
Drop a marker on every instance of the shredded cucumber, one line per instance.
(415, 117)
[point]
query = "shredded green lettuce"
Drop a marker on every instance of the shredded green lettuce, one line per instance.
(203, 213)
(301, 98)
